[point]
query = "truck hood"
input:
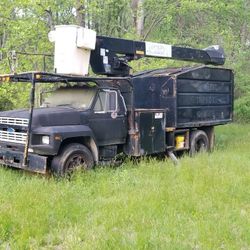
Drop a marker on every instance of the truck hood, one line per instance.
(47, 116)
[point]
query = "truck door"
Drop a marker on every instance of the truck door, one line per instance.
(152, 132)
(109, 121)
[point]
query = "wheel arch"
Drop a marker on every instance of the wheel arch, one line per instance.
(87, 141)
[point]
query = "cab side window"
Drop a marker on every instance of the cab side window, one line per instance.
(106, 101)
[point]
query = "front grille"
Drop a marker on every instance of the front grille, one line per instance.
(14, 121)
(16, 137)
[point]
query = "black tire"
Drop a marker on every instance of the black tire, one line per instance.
(72, 156)
(198, 142)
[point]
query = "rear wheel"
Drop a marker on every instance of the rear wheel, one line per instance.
(73, 156)
(198, 142)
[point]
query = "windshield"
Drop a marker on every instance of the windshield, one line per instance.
(73, 97)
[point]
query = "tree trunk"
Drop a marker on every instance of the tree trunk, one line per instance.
(140, 19)
(138, 16)
(50, 18)
(134, 7)
(244, 31)
(80, 13)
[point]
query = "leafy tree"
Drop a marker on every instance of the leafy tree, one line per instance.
(24, 25)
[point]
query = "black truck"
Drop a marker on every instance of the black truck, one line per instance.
(88, 120)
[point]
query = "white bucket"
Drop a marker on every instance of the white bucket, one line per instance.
(73, 45)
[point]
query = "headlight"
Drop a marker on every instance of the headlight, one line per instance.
(45, 139)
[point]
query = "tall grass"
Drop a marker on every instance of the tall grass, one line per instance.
(204, 203)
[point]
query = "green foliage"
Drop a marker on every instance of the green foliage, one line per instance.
(110, 17)
(24, 25)
(242, 109)
(14, 96)
(201, 204)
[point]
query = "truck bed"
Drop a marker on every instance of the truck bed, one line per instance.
(191, 97)
(204, 96)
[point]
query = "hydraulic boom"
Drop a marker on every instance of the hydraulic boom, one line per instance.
(111, 55)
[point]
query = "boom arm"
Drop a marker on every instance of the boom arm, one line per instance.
(111, 55)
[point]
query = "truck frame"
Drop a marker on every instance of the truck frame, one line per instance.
(152, 112)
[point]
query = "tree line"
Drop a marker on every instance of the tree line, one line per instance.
(24, 27)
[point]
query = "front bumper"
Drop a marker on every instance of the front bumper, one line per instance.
(36, 163)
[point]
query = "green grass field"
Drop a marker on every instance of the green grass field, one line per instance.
(204, 203)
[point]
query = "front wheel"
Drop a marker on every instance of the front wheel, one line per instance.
(71, 157)
(198, 142)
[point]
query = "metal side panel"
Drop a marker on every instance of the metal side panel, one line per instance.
(204, 97)
(146, 135)
(156, 93)
(159, 139)
(152, 132)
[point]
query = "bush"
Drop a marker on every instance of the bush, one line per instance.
(242, 109)
(5, 103)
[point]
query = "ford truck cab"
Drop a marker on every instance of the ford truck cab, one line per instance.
(79, 125)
